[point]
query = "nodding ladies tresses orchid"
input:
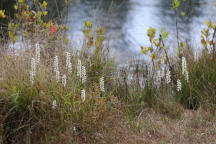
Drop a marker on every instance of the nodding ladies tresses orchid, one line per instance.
(37, 53)
(64, 80)
(159, 75)
(33, 70)
(79, 68)
(54, 105)
(83, 73)
(83, 96)
(184, 65)
(56, 68)
(184, 69)
(186, 76)
(210, 50)
(168, 77)
(68, 62)
(102, 84)
(57, 76)
(179, 85)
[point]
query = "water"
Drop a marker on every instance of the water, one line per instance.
(126, 21)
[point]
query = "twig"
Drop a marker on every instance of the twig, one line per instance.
(213, 43)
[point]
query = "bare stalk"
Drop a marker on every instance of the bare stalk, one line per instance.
(213, 43)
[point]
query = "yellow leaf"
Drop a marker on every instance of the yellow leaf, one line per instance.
(2, 14)
(21, 1)
(15, 7)
(44, 4)
(67, 2)
(208, 23)
(45, 13)
(203, 42)
(67, 28)
(182, 13)
(144, 50)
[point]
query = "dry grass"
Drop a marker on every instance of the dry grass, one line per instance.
(152, 128)
(192, 127)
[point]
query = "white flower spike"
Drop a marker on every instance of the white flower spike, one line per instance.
(102, 84)
(79, 68)
(33, 70)
(56, 68)
(37, 53)
(68, 62)
(179, 85)
(54, 105)
(83, 96)
(168, 77)
(83, 73)
(64, 81)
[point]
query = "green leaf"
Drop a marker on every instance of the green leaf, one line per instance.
(176, 4)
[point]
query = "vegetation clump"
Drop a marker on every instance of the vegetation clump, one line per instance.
(51, 92)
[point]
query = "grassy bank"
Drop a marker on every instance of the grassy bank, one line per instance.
(51, 92)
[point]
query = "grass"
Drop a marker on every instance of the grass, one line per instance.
(137, 106)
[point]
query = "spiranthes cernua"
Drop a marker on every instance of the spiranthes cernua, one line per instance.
(184, 65)
(57, 76)
(102, 84)
(168, 76)
(64, 80)
(179, 85)
(184, 69)
(33, 70)
(56, 68)
(68, 62)
(54, 104)
(79, 68)
(83, 73)
(83, 96)
(37, 53)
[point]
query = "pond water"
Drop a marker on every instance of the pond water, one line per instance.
(126, 21)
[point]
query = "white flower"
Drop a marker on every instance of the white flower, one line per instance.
(159, 76)
(83, 73)
(79, 68)
(68, 62)
(64, 81)
(31, 77)
(186, 76)
(210, 49)
(56, 68)
(102, 84)
(168, 77)
(184, 69)
(74, 128)
(70, 68)
(57, 76)
(184, 65)
(54, 105)
(37, 53)
(179, 85)
(33, 70)
(83, 96)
